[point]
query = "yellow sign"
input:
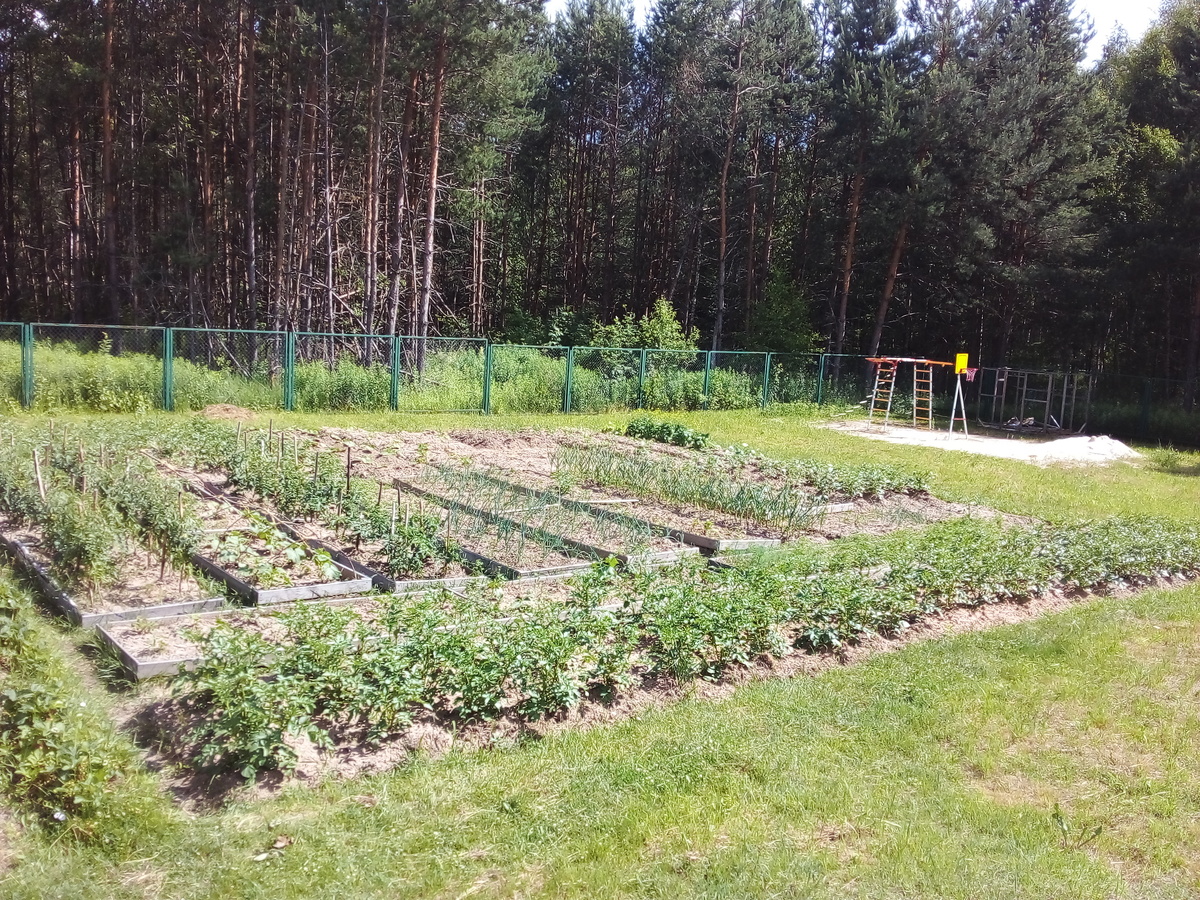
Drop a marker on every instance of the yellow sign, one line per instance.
(960, 363)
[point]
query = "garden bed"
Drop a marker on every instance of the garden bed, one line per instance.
(140, 588)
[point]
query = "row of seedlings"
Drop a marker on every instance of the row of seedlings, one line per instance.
(101, 541)
(577, 528)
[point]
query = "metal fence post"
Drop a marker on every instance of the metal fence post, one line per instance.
(708, 355)
(567, 382)
(641, 400)
(766, 395)
(289, 370)
(394, 387)
(821, 381)
(27, 365)
(168, 369)
(487, 379)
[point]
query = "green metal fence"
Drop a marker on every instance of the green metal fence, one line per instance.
(134, 368)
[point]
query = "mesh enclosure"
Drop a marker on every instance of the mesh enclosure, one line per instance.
(605, 379)
(736, 380)
(794, 378)
(104, 368)
(440, 374)
(674, 380)
(242, 368)
(343, 371)
(10, 364)
(528, 379)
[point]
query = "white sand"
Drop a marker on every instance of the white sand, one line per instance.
(1081, 449)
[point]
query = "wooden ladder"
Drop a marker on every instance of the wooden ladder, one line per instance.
(881, 395)
(923, 395)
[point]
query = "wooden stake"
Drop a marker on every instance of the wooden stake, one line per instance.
(347, 467)
(393, 531)
(37, 473)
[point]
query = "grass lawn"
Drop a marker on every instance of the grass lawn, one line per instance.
(980, 765)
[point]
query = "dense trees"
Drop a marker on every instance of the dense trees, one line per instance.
(858, 175)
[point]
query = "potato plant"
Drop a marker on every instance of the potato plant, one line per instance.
(459, 658)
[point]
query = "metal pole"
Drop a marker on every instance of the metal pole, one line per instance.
(766, 395)
(289, 370)
(708, 355)
(487, 379)
(27, 365)
(394, 387)
(567, 383)
(641, 398)
(168, 370)
(821, 382)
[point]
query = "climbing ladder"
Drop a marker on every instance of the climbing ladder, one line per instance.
(881, 395)
(922, 395)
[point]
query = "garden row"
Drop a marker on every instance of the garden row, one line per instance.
(354, 673)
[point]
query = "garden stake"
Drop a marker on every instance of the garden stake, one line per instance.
(37, 473)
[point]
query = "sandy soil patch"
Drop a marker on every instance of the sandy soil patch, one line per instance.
(1078, 449)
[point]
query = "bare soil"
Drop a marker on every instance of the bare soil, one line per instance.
(526, 458)
(140, 581)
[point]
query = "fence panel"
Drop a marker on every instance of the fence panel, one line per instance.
(439, 374)
(675, 379)
(605, 379)
(736, 379)
(342, 371)
(242, 368)
(100, 367)
(10, 364)
(528, 378)
(795, 378)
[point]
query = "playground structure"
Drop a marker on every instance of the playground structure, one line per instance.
(1032, 401)
(887, 369)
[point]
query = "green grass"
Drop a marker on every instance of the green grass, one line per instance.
(931, 772)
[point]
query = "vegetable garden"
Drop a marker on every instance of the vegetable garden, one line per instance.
(336, 586)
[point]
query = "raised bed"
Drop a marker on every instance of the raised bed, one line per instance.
(77, 613)
(355, 580)
(650, 557)
(143, 655)
(131, 643)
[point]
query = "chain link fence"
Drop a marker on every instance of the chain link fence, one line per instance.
(227, 366)
(106, 368)
(12, 336)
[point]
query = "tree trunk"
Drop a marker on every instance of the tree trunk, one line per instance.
(848, 245)
(435, 134)
(723, 206)
(108, 172)
(251, 177)
(1192, 364)
(374, 156)
(327, 153)
(400, 220)
(889, 288)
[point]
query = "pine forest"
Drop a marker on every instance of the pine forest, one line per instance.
(850, 176)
